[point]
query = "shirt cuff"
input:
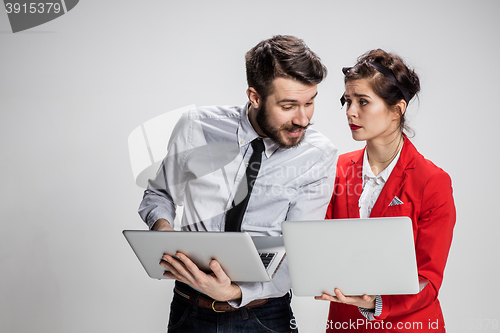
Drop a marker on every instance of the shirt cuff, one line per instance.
(370, 314)
(248, 294)
(277, 287)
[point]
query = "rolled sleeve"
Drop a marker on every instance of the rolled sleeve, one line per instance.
(166, 190)
(277, 287)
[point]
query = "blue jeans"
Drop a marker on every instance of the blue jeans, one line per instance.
(274, 316)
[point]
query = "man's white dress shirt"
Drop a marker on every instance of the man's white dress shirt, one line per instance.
(207, 157)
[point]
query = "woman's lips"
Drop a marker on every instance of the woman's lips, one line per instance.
(354, 127)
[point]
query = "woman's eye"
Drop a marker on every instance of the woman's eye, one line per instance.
(363, 102)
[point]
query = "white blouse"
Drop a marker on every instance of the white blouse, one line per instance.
(373, 185)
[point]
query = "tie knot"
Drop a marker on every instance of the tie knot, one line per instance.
(258, 145)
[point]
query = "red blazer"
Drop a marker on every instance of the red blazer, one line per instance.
(427, 197)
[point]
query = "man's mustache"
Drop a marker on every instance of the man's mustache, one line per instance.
(293, 127)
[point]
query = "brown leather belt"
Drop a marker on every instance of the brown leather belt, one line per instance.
(216, 305)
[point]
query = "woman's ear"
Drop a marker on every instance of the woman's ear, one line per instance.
(400, 109)
(402, 106)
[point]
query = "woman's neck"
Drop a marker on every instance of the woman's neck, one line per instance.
(382, 152)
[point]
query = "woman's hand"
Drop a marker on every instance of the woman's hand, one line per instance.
(365, 301)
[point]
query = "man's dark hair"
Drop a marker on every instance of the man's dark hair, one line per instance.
(282, 56)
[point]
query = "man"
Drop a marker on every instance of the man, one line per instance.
(211, 153)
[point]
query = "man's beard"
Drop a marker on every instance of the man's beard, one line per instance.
(274, 133)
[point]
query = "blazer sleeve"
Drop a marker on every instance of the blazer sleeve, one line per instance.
(329, 210)
(433, 240)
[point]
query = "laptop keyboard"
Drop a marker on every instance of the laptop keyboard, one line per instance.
(267, 258)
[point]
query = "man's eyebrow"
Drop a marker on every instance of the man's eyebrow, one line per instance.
(288, 101)
(294, 100)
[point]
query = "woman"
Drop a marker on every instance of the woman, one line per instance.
(390, 178)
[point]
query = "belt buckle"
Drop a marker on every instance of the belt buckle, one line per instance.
(213, 307)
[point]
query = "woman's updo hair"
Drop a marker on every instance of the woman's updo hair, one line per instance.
(368, 67)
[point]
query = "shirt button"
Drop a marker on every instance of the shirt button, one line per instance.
(242, 141)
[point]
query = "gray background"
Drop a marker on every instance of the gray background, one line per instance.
(73, 89)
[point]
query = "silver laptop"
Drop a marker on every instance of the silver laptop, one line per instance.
(243, 258)
(374, 256)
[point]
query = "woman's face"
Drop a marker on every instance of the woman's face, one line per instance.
(367, 114)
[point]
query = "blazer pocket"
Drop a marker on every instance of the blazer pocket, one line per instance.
(405, 209)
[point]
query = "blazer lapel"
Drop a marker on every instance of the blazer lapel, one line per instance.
(396, 180)
(390, 190)
(354, 185)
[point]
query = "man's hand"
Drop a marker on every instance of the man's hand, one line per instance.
(217, 285)
(162, 225)
(365, 301)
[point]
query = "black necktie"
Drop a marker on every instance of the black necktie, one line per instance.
(234, 216)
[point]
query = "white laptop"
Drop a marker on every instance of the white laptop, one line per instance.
(243, 258)
(374, 256)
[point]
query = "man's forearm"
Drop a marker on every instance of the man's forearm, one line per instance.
(162, 225)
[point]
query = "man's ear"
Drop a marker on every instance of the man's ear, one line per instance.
(254, 97)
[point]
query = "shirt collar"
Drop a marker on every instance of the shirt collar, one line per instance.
(246, 134)
(384, 175)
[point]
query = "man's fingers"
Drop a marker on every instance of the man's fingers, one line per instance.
(175, 277)
(172, 272)
(218, 271)
(190, 267)
(176, 267)
(171, 269)
(181, 268)
(169, 275)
